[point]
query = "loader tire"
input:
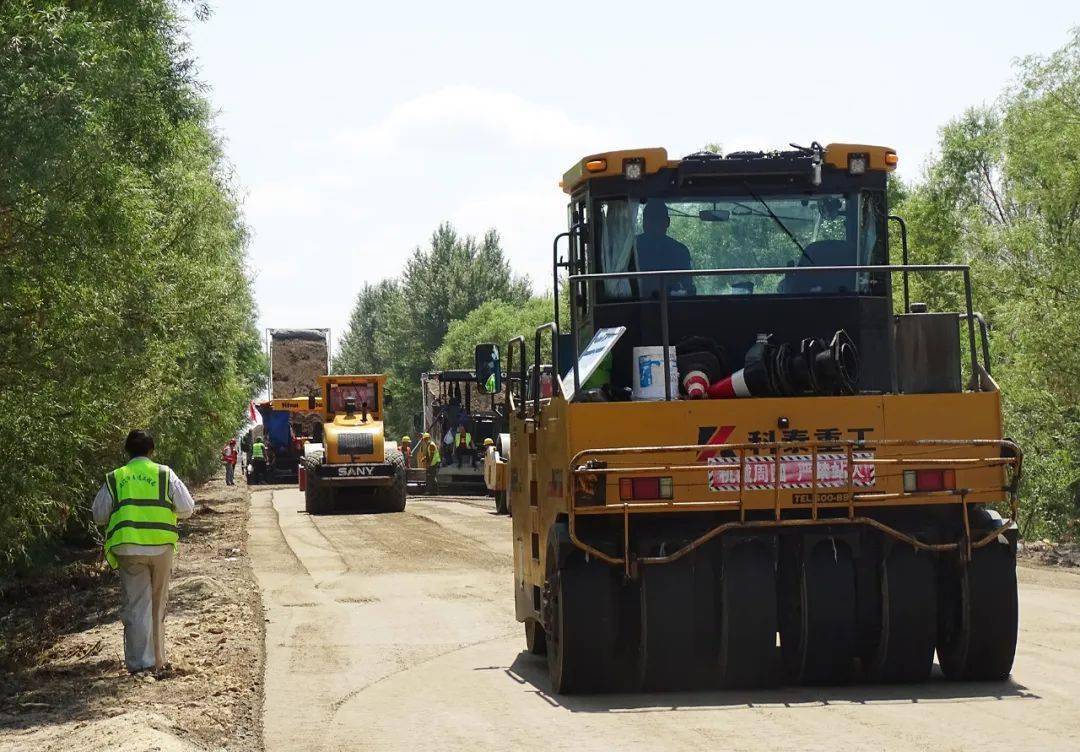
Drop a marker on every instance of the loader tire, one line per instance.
(317, 497)
(392, 499)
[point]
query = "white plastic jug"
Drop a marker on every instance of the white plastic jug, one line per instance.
(649, 373)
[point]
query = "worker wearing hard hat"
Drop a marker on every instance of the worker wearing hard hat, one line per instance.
(406, 448)
(258, 461)
(228, 457)
(428, 457)
(139, 505)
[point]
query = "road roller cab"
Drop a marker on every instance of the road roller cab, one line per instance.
(353, 461)
(748, 437)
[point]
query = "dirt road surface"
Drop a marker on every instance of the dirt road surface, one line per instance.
(71, 692)
(397, 631)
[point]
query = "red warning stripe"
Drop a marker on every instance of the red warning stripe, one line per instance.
(719, 436)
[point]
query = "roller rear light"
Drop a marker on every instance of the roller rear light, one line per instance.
(649, 488)
(921, 481)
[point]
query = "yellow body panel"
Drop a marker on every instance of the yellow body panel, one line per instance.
(541, 484)
(332, 433)
(296, 404)
(836, 155)
(341, 430)
(655, 159)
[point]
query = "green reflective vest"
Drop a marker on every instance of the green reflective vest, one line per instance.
(489, 385)
(463, 440)
(258, 452)
(142, 507)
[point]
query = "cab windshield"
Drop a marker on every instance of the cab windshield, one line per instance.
(742, 232)
(361, 392)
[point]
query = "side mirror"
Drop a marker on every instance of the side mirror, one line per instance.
(488, 368)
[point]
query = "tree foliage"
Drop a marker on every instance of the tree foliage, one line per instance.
(124, 297)
(397, 326)
(494, 321)
(1004, 196)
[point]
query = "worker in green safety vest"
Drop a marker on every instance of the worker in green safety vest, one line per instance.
(258, 461)
(139, 505)
(428, 457)
(463, 446)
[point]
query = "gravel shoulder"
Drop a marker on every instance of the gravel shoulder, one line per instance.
(69, 689)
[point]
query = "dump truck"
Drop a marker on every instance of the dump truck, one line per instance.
(298, 357)
(288, 424)
(352, 459)
(760, 462)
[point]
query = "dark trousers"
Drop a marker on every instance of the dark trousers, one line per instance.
(258, 471)
(463, 451)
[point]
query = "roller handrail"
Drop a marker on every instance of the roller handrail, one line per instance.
(552, 327)
(665, 298)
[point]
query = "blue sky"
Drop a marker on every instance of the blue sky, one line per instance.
(355, 127)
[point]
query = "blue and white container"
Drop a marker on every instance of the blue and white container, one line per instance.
(649, 373)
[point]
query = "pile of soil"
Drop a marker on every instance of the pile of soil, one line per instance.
(297, 359)
(1049, 554)
(64, 686)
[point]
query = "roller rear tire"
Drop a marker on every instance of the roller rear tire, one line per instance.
(535, 638)
(818, 636)
(679, 640)
(979, 615)
(748, 620)
(905, 650)
(580, 620)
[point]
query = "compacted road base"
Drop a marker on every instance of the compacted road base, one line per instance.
(397, 631)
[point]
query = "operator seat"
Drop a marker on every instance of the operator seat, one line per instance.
(823, 253)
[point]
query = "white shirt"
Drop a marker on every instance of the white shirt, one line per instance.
(183, 505)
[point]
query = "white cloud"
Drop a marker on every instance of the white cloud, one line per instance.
(473, 117)
(347, 207)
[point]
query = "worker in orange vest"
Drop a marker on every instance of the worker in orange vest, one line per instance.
(463, 446)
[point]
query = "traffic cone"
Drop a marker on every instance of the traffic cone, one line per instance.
(730, 387)
(696, 385)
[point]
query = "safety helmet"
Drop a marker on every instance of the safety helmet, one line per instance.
(489, 442)
(426, 435)
(406, 440)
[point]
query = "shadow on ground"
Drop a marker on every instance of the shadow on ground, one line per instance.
(531, 671)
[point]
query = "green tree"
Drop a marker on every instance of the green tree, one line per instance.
(494, 321)
(400, 324)
(1004, 196)
(366, 346)
(124, 295)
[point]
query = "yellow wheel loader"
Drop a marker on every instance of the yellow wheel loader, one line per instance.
(755, 438)
(352, 460)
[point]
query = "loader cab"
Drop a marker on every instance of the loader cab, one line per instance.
(762, 222)
(352, 399)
